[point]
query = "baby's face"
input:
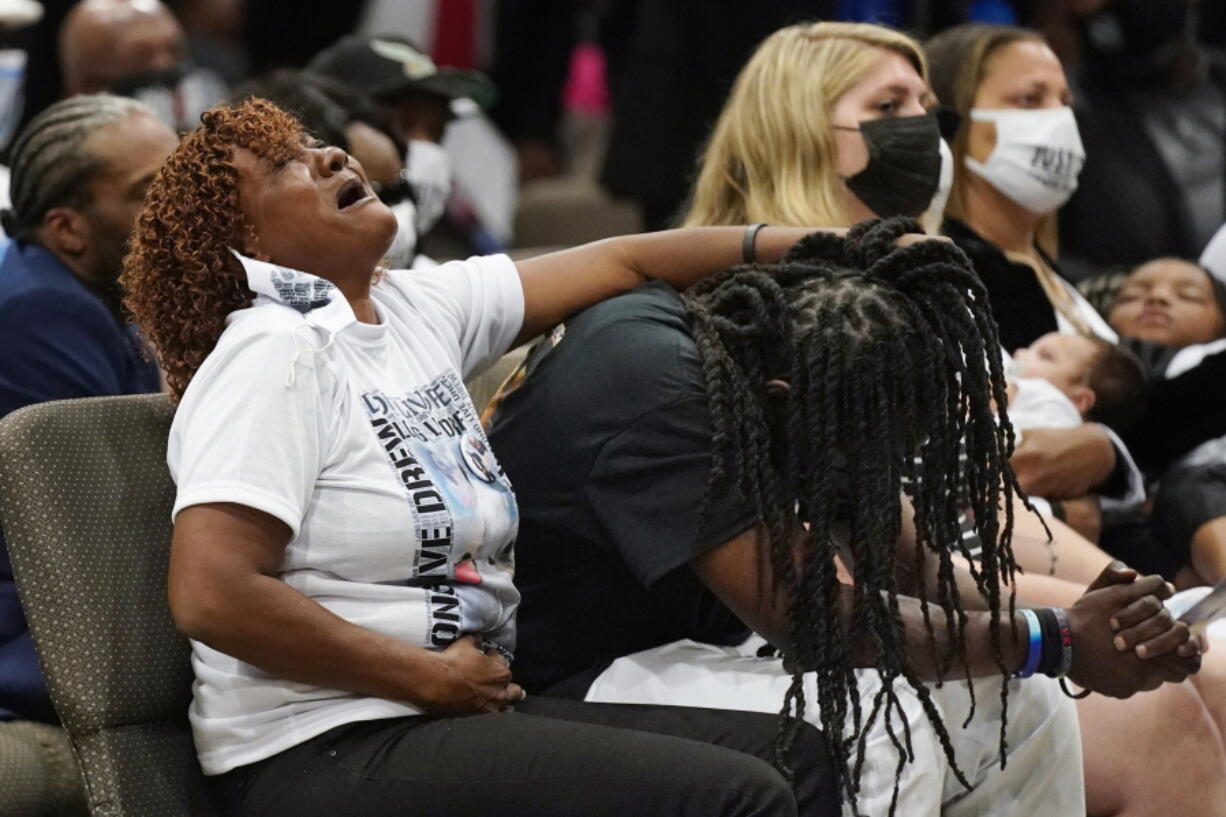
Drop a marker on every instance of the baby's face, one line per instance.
(1060, 359)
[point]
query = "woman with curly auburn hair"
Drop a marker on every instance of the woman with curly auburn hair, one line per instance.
(181, 279)
(343, 536)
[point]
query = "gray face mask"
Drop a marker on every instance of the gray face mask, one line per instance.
(904, 165)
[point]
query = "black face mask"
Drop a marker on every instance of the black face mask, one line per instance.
(166, 79)
(904, 165)
(162, 91)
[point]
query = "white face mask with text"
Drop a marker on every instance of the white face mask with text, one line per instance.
(1037, 158)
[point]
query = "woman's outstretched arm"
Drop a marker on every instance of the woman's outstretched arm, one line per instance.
(559, 284)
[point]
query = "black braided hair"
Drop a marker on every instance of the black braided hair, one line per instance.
(894, 369)
(50, 164)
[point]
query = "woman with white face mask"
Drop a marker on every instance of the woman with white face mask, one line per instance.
(1017, 155)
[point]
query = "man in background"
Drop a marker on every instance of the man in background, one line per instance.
(422, 100)
(1151, 106)
(135, 49)
(79, 173)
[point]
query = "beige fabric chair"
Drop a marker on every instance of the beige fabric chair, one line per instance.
(38, 773)
(85, 499)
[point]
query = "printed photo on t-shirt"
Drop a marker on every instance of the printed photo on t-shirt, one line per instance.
(442, 459)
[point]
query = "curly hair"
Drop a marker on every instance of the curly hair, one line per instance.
(180, 276)
(891, 356)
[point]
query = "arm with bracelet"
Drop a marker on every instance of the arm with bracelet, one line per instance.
(1140, 625)
(1117, 639)
(1050, 643)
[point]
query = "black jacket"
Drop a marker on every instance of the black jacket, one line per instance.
(1182, 412)
(1021, 307)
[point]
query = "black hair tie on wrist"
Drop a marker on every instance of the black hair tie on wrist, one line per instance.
(1051, 660)
(748, 252)
(1056, 658)
(1076, 696)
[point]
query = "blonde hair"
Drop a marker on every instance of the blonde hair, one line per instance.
(771, 155)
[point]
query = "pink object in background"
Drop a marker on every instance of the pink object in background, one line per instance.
(454, 43)
(586, 91)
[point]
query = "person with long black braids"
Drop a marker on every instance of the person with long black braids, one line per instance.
(712, 453)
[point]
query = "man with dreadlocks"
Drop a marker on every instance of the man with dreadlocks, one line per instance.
(79, 172)
(712, 454)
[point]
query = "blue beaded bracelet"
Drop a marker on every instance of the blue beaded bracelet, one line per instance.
(1036, 645)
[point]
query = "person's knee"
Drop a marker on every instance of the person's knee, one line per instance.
(730, 783)
(813, 780)
(1184, 714)
(1128, 779)
(757, 789)
(808, 743)
(725, 783)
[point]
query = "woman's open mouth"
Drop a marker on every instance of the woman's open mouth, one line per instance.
(351, 193)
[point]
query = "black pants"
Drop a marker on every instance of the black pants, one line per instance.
(550, 757)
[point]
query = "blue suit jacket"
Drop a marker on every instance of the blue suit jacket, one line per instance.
(57, 341)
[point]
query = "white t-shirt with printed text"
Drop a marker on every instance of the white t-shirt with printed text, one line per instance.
(362, 439)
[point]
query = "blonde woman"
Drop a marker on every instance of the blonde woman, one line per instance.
(828, 123)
